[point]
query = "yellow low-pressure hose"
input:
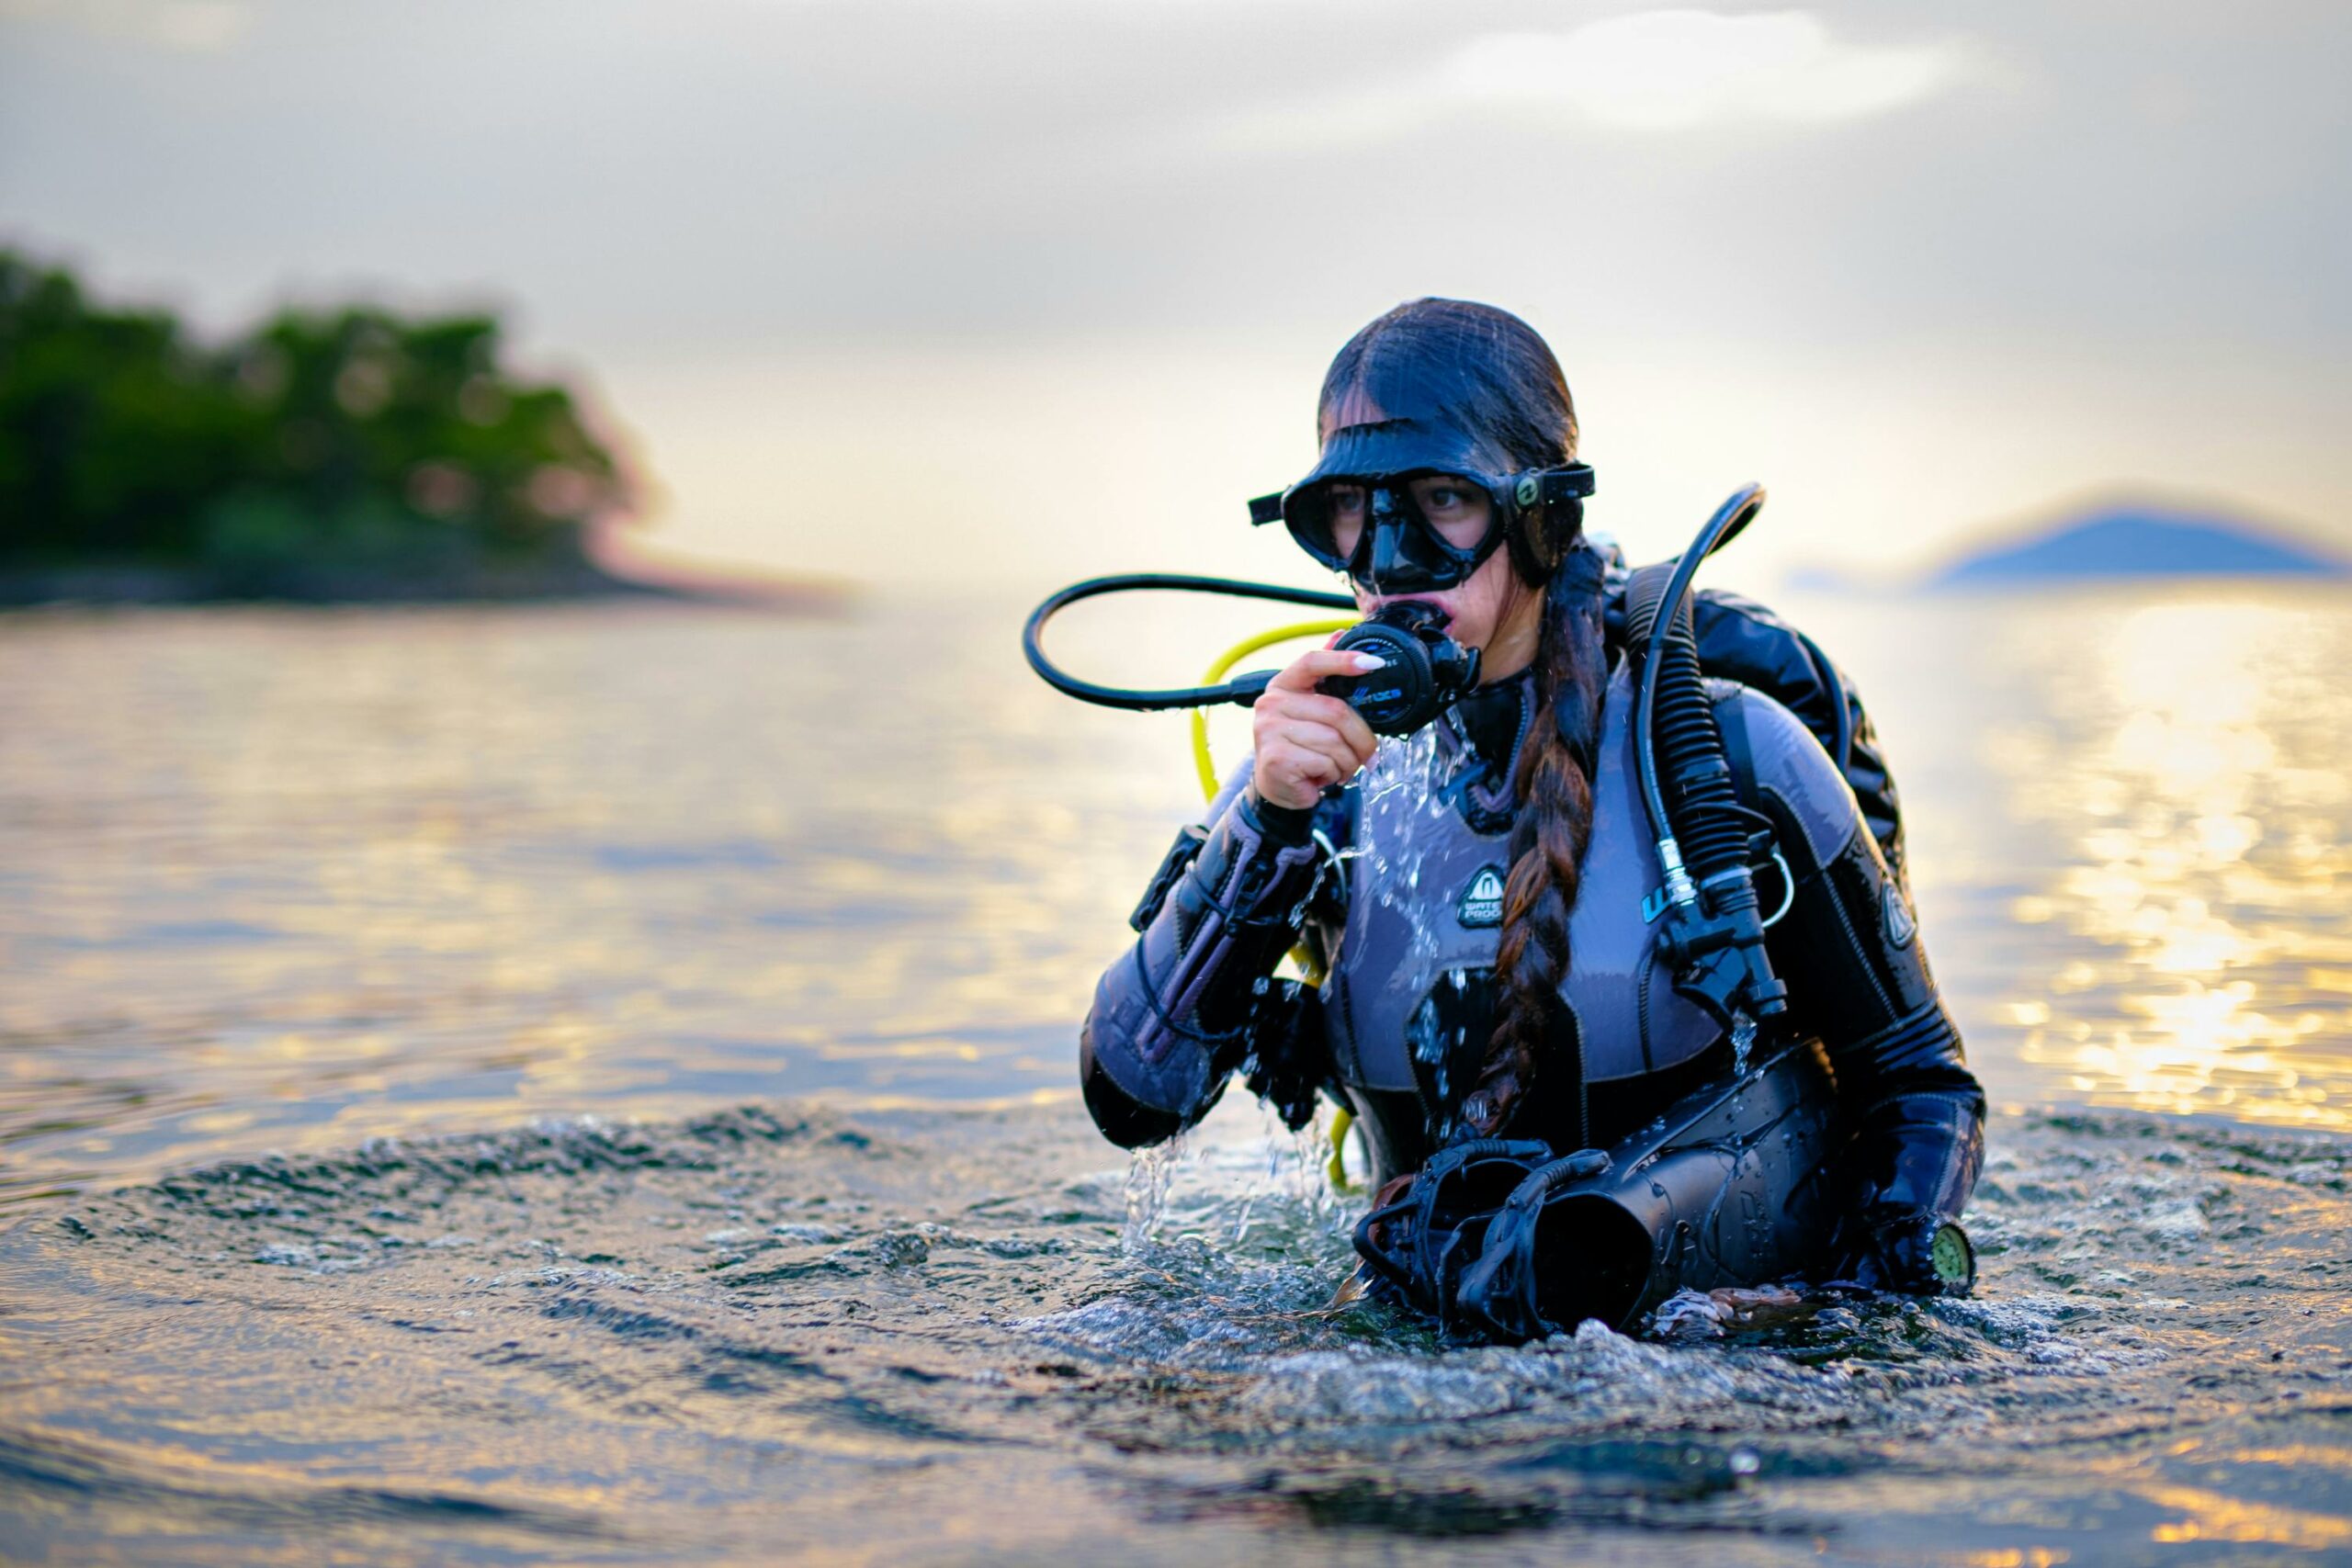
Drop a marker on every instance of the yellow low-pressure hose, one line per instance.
(1337, 1169)
(1232, 656)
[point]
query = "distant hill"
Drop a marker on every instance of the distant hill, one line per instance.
(2143, 541)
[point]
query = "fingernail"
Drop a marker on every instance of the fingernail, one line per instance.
(1368, 662)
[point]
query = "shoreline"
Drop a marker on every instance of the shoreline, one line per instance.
(120, 586)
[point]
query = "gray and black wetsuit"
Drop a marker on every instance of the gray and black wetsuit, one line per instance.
(1398, 881)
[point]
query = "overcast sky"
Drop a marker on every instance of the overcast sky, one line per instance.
(1014, 291)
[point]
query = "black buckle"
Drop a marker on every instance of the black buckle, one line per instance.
(1573, 483)
(1179, 859)
(1265, 509)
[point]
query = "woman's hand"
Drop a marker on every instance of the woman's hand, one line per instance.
(1304, 740)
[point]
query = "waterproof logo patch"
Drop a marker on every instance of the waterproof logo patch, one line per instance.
(1900, 927)
(1482, 901)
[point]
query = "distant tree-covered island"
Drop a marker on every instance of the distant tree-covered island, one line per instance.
(325, 454)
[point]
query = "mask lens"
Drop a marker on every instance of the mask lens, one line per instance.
(1328, 521)
(1442, 525)
(1345, 503)
(1458, 511)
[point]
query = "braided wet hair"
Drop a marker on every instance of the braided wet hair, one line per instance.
(1553, 784)
(1493, 373)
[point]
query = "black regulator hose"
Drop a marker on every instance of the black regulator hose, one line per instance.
(1702, 829)
(1674, 650)
(1242, 689)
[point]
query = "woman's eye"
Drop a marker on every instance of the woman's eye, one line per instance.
(1347, 499)
(1447, 497)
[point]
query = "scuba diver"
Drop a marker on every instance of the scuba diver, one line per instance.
(1613, 961)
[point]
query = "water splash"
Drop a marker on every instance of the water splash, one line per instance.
(1407, 810)
(1405, 801)
(1743, 1038)
(1312, 1152)
(1293, 1173)
(1150, 1173)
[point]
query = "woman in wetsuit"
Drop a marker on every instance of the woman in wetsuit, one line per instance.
(1481, 896)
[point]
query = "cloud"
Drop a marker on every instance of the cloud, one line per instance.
(1648, 71)
(190, 26)
(1668, 70)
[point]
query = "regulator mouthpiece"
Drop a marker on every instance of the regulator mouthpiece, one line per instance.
(1423, 671)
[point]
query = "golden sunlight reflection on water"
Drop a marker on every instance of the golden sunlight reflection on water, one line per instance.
(2189, 762)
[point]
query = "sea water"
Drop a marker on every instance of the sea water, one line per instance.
(585, 1085)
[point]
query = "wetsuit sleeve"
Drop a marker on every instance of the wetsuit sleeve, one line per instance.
(1849, 953)
(1173, 1017)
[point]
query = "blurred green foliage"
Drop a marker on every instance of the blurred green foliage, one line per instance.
(350, 439)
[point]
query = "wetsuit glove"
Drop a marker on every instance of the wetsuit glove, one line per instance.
(1914, 1251)
(1288, 1058)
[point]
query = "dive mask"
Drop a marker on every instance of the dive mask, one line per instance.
(1376, 507)
(1402, 535)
